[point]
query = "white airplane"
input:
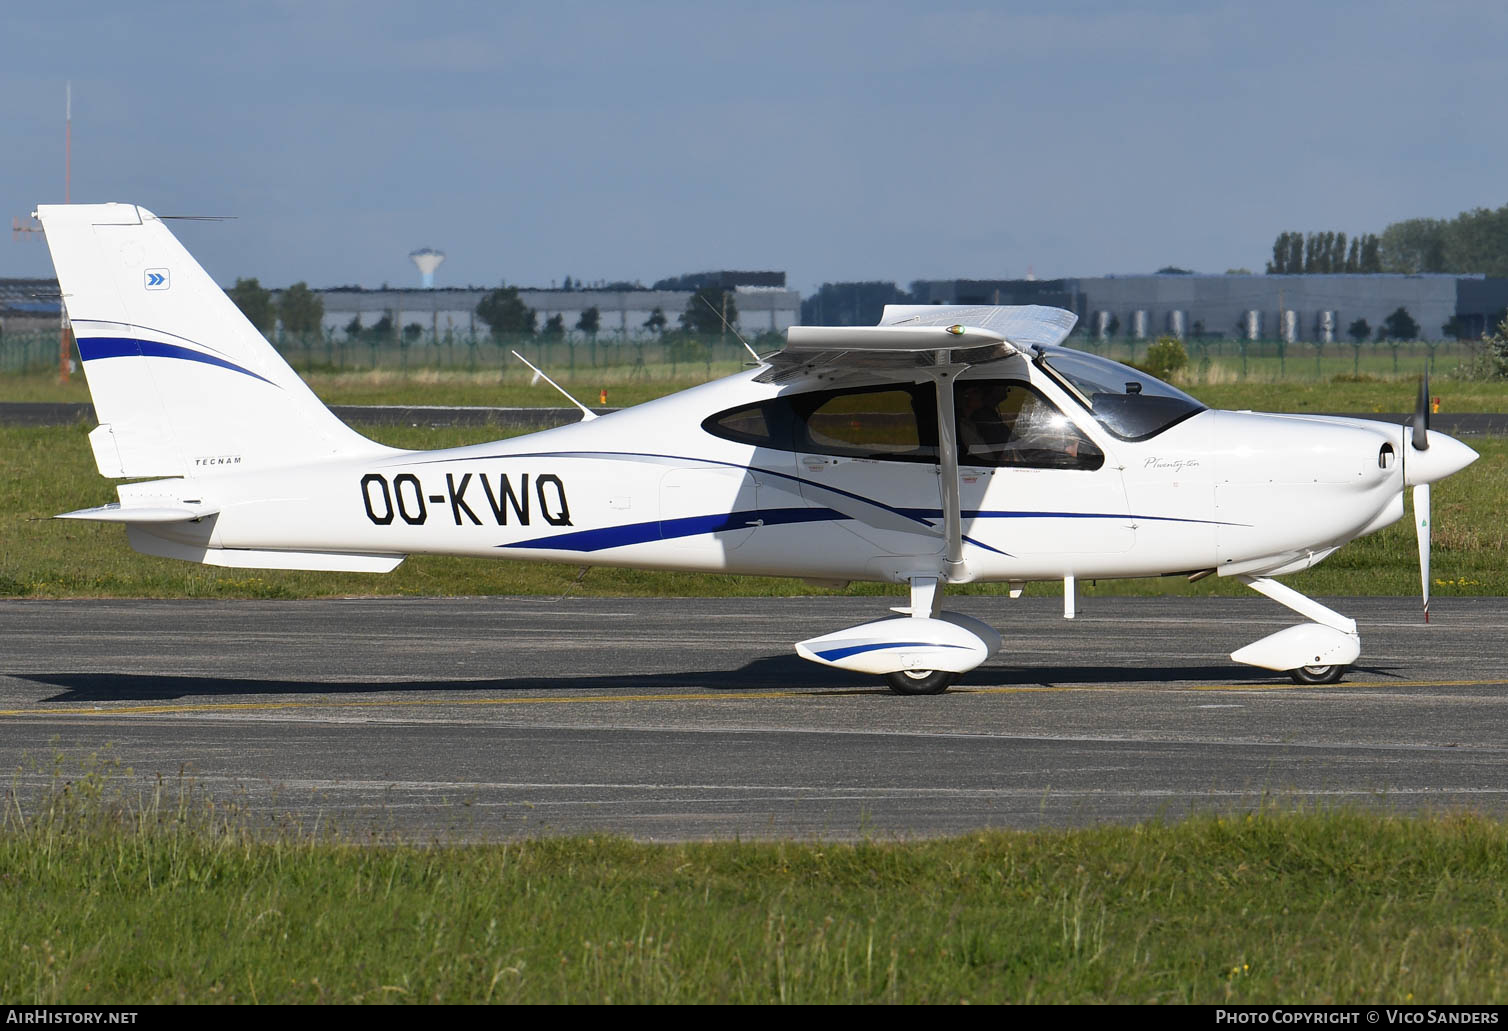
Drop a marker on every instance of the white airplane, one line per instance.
(947, 445)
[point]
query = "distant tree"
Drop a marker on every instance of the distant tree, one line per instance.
(1324, 253)
(1166, 357)
(354, 328)
(1477, 241)
(505, 313)
(656, 322)
(1456, 328)
(589, 323)
(554, 327)
(1414, 245)
(1358, 331)
(1494, 360)
(568, 285)
(412, 332)
(1401, 325)
(707, 309)
(301, 310)
(684, 347)
(850, 304)
(255, 303)
(1311, 251)
(382, 329)
(1238, 272)
(1279, 265)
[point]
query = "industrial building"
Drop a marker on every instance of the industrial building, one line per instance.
(1296, 308)
(622, 313)
(1293, 308)
(27, 305)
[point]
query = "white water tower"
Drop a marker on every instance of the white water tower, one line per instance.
(428, 259)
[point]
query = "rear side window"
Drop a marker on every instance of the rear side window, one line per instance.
(867, 424)
(896, 422)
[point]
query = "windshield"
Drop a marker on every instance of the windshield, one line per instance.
(1128, 402)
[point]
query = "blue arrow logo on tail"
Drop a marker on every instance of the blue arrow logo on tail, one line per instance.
(157, 279)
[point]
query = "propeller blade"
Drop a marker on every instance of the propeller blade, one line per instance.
(1422, 528)
(1421, 416)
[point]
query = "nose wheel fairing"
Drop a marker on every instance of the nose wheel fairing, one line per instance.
(1317, 652)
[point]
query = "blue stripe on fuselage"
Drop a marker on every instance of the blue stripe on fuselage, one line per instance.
(671, 529)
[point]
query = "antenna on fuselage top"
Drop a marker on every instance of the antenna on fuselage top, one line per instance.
(586, 413)
(730, 329)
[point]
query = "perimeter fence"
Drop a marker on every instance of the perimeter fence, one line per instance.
(677, 354)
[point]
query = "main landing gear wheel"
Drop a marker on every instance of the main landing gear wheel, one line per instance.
(1318, 674)
(920, 681)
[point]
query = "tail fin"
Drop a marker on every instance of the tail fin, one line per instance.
(182, 383)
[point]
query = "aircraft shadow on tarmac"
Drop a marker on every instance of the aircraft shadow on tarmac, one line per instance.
(784, 672)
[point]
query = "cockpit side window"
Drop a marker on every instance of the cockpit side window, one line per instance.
(1008, 423)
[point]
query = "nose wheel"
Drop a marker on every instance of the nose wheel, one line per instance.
(1318, 674)
(920, 681)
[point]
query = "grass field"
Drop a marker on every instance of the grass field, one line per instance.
(115, 898)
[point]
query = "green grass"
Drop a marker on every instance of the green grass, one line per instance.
(164, 897)
(47, 470)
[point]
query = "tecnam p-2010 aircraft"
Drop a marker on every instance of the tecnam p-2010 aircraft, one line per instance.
(946, 445)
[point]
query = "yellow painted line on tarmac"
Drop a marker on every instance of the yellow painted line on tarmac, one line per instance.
(1349, 684)
(391, 703)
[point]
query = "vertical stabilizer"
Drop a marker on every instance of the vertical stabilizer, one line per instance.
(182, 383)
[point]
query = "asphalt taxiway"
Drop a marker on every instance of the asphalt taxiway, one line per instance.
(477, 718)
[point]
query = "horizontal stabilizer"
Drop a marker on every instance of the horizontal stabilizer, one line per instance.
(144, 540)
(330, 561)
(118, 513)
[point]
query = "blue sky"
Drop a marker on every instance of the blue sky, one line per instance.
(836, 141)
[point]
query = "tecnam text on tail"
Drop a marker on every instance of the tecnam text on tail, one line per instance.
(947, 445)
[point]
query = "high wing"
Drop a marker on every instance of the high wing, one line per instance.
(913, 336)
(1021, 324)
(935, 341)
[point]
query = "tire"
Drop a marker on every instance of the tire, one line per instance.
(920, 681)
(1318, 674)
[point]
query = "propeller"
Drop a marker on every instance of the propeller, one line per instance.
(1420, 438)
(1421, 415)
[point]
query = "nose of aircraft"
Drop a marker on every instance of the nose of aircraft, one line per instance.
(1443, 456)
